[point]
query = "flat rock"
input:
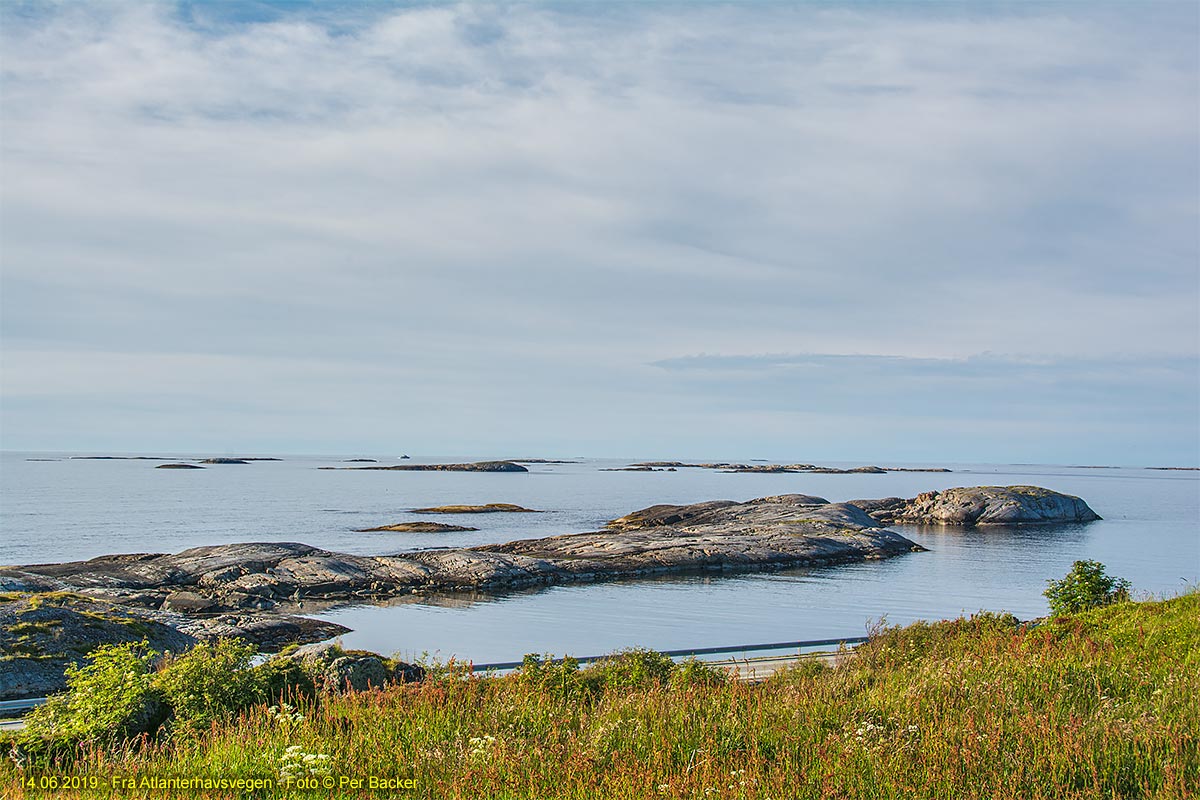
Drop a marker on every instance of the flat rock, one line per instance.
(488, 508)
(188, 602)
(768, 532)
(981, 505)
(418, 527)
(478, 466)
(665, 515)
(179, 466)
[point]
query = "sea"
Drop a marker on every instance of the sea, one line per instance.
(64, 507)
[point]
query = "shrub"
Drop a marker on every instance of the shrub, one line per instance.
(636, 668)
(109, 699)
(561, 677)
(694, 672)
(1085, 586)
(210, 682)
(284, 679)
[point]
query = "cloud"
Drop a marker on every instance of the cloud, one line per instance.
(984, 387)
(450, 196)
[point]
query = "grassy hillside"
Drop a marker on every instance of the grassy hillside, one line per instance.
(1098, 704)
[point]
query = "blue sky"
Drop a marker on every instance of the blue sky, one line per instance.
(935, 232)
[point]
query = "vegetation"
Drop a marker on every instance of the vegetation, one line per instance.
(1085, 586)
(1095, 704)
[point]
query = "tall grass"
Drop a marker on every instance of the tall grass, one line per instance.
(1098, 705)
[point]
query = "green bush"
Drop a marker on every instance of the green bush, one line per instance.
(111, 698)
(561, 677)
(694, 672)
(210, 682)
(636, 668)
(284, 679)
(1085, 586)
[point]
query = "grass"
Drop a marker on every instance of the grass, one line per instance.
(1099, 704)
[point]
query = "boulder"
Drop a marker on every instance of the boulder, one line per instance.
(403, 672)
(188, 602)
(982, 505)
(356, 673)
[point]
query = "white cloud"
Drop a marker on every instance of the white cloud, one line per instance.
(576, 192)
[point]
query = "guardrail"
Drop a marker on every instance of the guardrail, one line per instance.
(15, 708)
(695, 651)
(10, 709)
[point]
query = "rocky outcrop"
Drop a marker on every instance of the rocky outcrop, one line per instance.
(698, 513)
(418, 527)
(769, 532)
(359, 461)
(352, 670)
(981, 505)
(40, 635)
(487, 508)
(229, 460)
(478, 466)
(179, 466)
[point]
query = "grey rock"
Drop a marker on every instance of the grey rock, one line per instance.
(403, 672)
(478, 466)
(188, 601)
(768, 532)
(149, 714)
(357, 673)
(418, 527)
(40, 635)
(982, 505)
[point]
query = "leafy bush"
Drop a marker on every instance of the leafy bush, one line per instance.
(636, 668)
(111, 698)
(543, 672)
(694, 672)
(210, 682)
(1085, 586)
(283, 679)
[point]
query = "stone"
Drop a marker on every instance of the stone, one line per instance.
(40, 634)
(188, 602)
(478, 466)
(403, 672)
(418, 527)
(982, 505)
(356, 673)
(488, 508)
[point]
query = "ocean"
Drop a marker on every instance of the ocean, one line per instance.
(67, 508)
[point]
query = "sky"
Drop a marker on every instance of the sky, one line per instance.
(936, 232)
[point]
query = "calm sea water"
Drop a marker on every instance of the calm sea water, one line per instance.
(67, 509)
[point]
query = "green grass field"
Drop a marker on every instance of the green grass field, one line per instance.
(1101, 704)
